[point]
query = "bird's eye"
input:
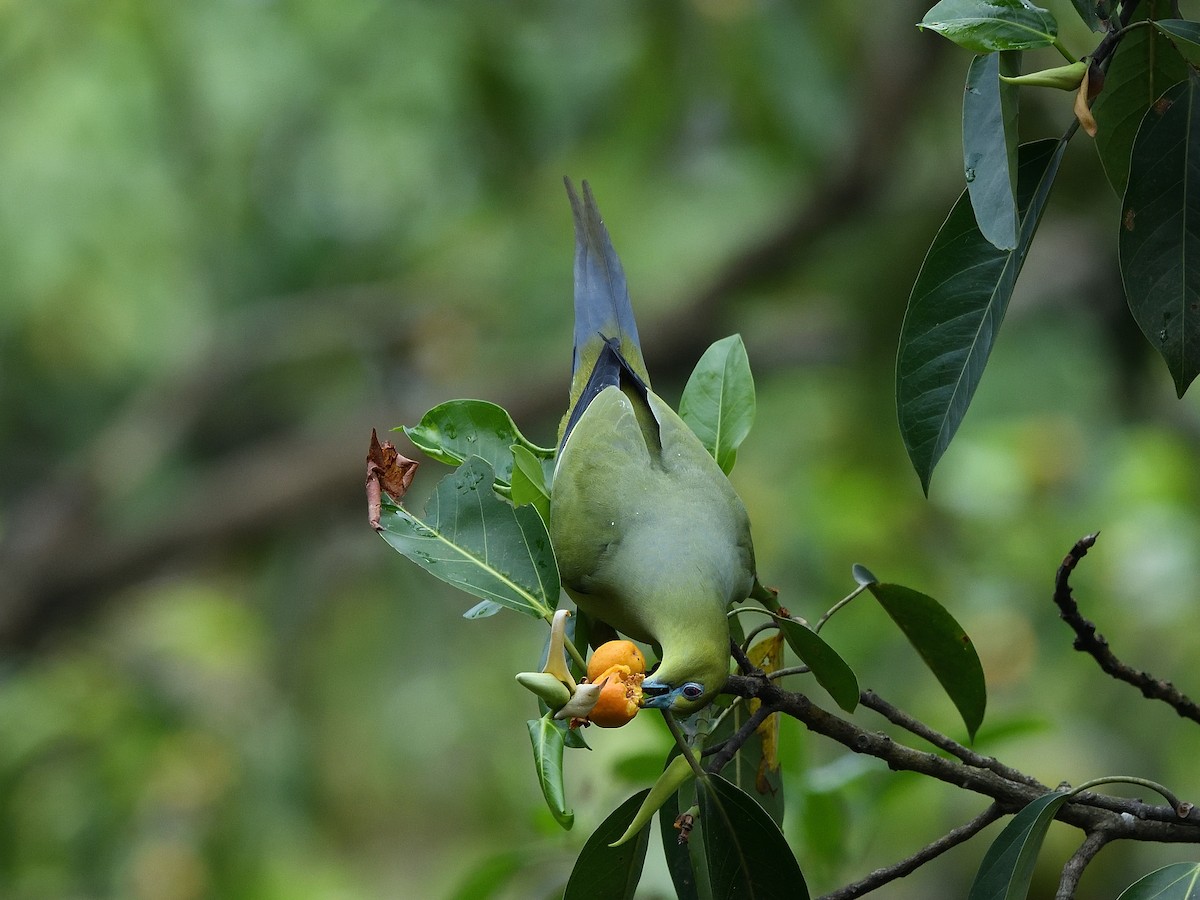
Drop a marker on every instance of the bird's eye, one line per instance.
(693, 691)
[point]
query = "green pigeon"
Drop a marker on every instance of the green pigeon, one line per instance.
(650, 536)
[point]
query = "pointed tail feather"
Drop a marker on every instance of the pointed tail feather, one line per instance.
(602, 307)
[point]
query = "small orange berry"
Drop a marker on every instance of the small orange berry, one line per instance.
(624, 653)
(620, 698)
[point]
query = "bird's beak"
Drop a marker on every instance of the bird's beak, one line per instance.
(656, 695)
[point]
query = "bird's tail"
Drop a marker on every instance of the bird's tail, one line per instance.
(603, 314)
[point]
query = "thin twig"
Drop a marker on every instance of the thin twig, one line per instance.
(1096, 645)
(897, 716)
(907, 866)
(734, 744)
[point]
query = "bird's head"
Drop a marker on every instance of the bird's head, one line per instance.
(685, 686)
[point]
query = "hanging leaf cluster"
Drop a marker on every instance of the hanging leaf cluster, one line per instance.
(1138, 97)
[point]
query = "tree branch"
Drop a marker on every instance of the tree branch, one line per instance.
(929, 852)
(1073, 870)
(1088, 641)
(1130, 819)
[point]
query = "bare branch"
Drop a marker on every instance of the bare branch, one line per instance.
(1088, 641)
(1129, 819)
(907, 866)
(896, 716)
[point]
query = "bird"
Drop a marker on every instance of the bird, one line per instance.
(650, 536)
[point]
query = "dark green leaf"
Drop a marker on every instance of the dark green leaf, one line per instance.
(1143, 66)
(610, 873)
(747, 854)
(547, 742)
(718, 400)
(987, 25)
(1184, 35)
(529, 482)
(1159, 243)
(955, 311)
(685, 861)
(1007, 866)
(945, 647)
(827, 665)
(479, 543)
(1178, 881)
(989, 125)
(1089, 12)
(454, 431)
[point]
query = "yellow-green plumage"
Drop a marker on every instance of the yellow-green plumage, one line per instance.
(649, 534)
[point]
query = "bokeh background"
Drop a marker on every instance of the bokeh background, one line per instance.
(237, 235)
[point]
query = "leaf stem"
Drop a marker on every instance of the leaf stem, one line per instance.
(1058, 45)
(681, 742)
(839, 605)
(1181, 807)
(575, 654)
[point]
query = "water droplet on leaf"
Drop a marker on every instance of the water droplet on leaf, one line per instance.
(970, 173)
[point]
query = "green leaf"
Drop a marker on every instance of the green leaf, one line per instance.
(862, 575)
(547, 742)
(610, 873)
(1144, 65)
(828, 667)
(718, 400)
(1089, 12)
(454, 431)
(529, 482)
(943, 645)
(1159, 244)
(479, 543)
(1184, 35)
(955, 311)
(1007, 866)
(987, 25)
(989, 124)
(1178, 881)
(747, 854)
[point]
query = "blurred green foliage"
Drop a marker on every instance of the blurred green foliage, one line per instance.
(237, 235)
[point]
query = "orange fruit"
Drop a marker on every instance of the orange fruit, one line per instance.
(620, 698)
(614, 653)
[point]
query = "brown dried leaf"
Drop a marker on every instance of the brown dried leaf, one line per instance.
(1082, 105)
(387, 472)
(767, 655)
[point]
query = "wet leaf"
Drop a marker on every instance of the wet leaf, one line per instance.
(479, 543)
(454, 431)
(1159, 243)
(986, 25)
(955, 311)
(989, 126)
